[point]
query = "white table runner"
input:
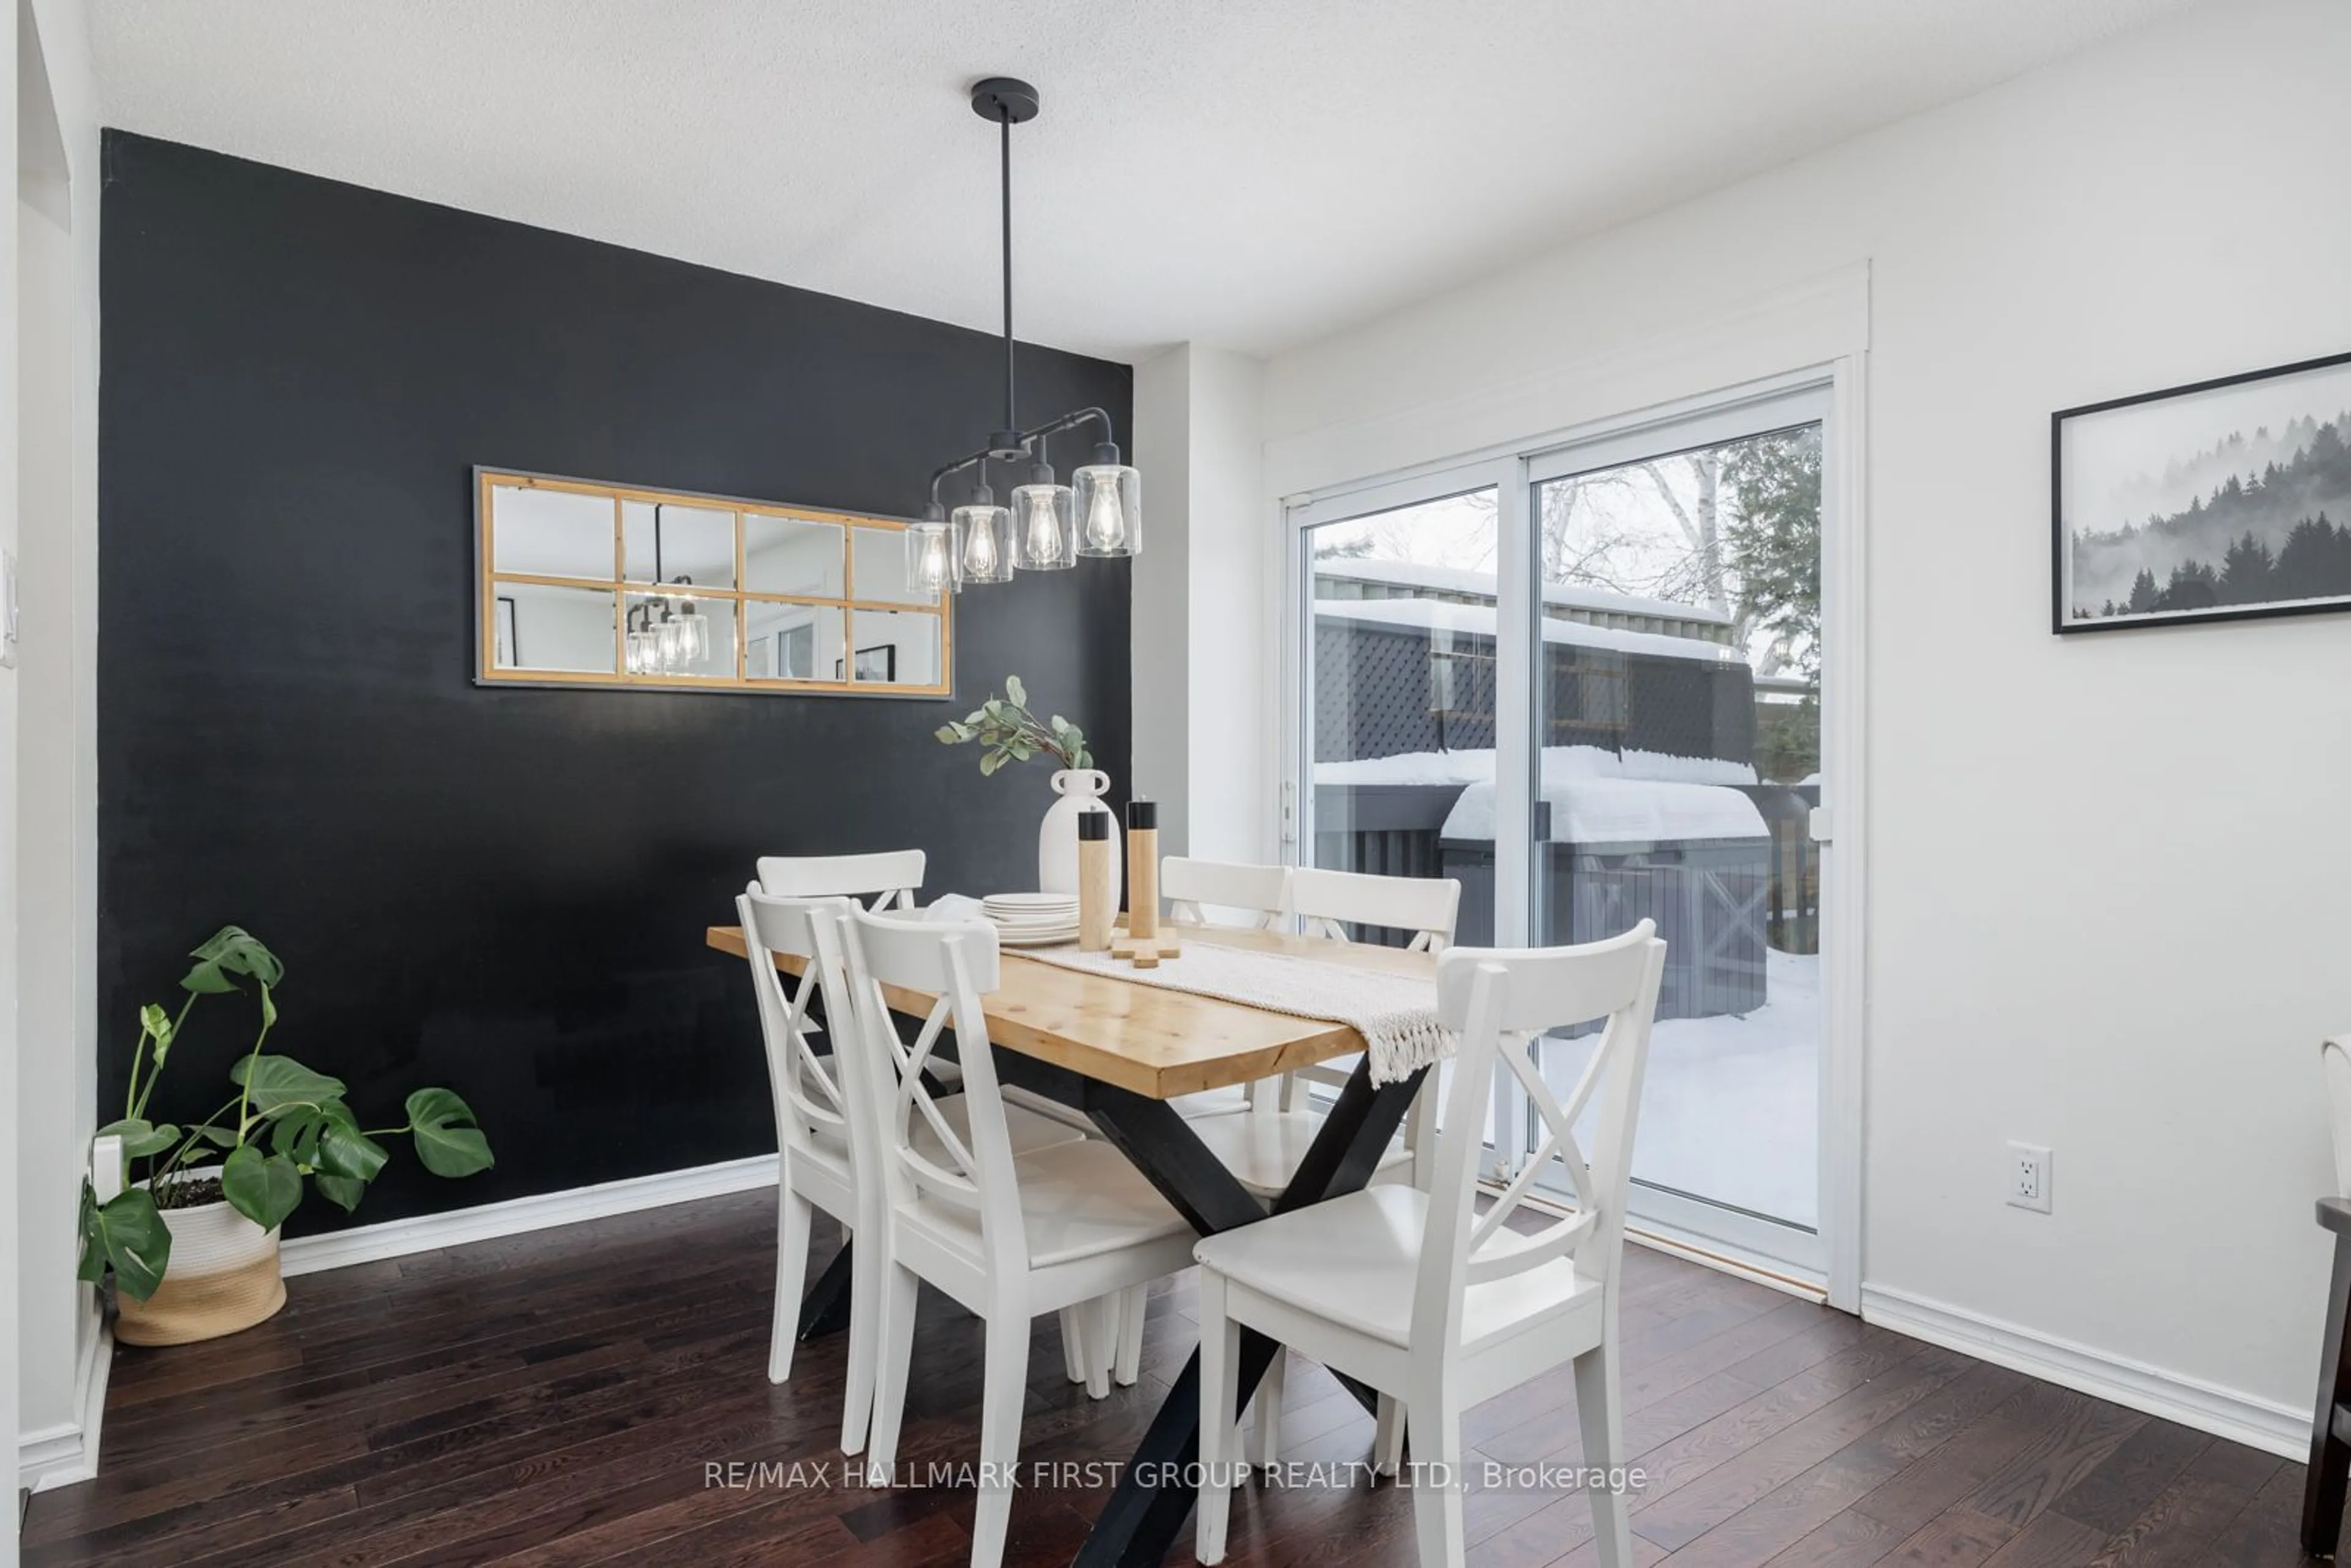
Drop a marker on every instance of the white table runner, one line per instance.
(1395, 1014)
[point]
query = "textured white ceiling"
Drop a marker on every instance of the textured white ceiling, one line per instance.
(1248, 173)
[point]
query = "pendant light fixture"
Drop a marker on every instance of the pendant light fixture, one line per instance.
(668, 634)
(1049, 525)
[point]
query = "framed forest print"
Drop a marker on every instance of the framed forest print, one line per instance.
(2219, 501)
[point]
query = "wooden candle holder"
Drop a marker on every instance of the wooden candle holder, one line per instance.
(1142, 946)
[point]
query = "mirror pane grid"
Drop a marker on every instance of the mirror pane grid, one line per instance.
(692, 591)
(666, 541)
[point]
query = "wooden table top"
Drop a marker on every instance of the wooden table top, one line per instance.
(1147, 1037)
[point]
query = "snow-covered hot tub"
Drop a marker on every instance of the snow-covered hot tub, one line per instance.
(1624, 836)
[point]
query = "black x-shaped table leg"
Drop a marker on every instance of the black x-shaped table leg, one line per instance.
(1146, 1508)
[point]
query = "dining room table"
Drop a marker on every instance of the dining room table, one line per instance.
(1121, 1048)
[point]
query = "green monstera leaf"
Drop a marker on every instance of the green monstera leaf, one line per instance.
(128, 1234)
(343, 1192)
(447, 1139)
(271, 1082)
(142, 1139)
(265, 1188)
(346, 1154)
(232, 951)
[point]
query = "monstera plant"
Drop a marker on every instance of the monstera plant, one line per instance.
(285, 1125)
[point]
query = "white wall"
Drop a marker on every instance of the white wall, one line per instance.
(1160, 595)
(1200, 693)
(11, 1083)
(53, 813)
(2109, 878)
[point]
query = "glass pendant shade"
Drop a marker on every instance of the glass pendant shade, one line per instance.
(693, 635)
(1044, 526)
(1110, 509)
(983, 533)
(668, 643)
(931, 557)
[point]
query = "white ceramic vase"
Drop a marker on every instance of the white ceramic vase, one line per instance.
(1081, 790)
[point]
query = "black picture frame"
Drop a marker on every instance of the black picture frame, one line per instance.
(2063, 621)
(888, 663)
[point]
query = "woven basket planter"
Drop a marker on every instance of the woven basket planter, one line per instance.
(223, 1278)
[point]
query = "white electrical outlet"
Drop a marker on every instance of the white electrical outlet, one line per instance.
(2028, 1177)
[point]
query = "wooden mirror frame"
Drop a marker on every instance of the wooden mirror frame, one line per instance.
(492, 585)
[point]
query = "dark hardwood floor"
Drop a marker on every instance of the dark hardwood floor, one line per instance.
(570, 1395)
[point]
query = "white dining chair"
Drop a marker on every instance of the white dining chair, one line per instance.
(886, 880)
(1259, 893)
(1263, 1147)
(890, 879)
(1265, 1153)
(820, 1142)
(1434, 1304)
(1008, 1237)
(1327, 902)
(817, 1152)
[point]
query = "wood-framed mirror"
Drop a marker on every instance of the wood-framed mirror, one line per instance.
(581, 583)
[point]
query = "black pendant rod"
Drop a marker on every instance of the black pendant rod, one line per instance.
(1009, 102)
(1004, 124)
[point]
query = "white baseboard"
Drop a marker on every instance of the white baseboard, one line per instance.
(399, 1237)
(61, 1455)
(2227, 1413)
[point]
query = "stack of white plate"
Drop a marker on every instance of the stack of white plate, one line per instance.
(1032, 919)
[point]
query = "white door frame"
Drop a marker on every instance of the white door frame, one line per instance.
(1840, 825)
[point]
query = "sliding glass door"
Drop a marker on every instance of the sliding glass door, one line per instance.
(1676, 764)
(1585, 682)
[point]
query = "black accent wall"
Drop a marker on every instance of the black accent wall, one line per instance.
(504, 892)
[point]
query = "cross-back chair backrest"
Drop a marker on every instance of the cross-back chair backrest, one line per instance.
(814, 1093)
(1327, 902)
(955, 964)
(1261, 890)
(1501, 1001)
(884, 881)
(2335, 1058)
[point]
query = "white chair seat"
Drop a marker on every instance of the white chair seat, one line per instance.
(1211, 1103)
(1262, 1148)
(1027, 1131)
(1354, 1261)
(1077, 1200)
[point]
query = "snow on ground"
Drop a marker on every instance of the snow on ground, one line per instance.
(1729, 1106)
